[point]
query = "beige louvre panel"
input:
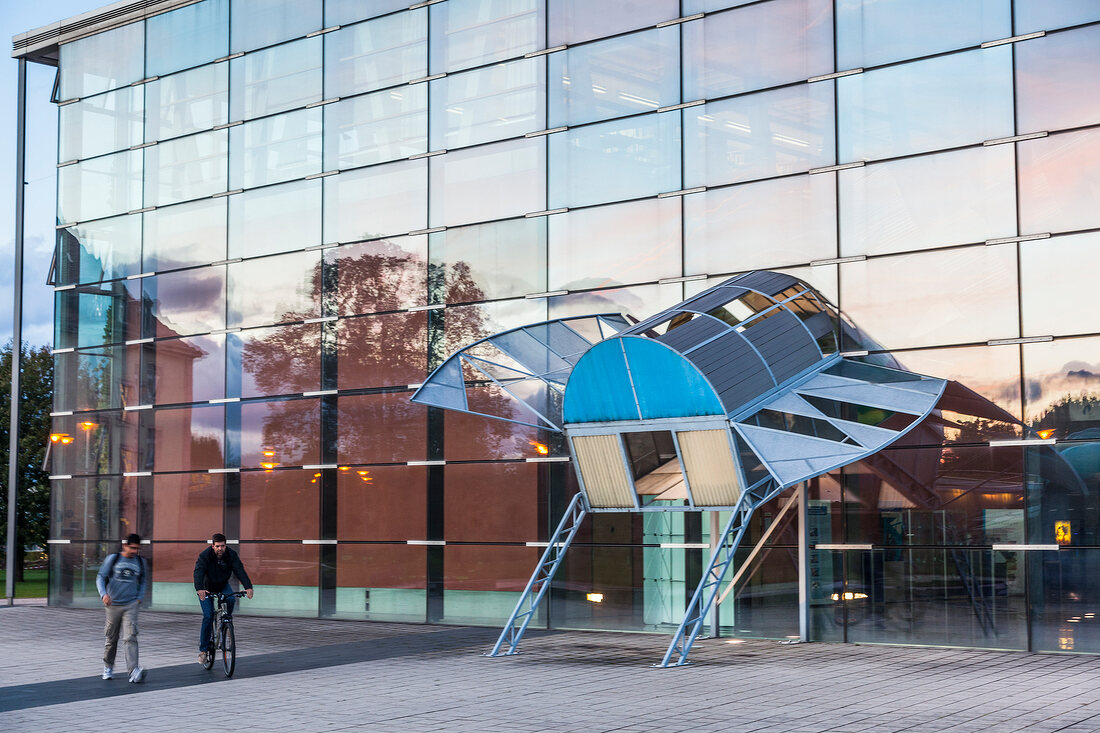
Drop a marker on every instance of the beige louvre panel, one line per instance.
(600, 460)
(711, 472)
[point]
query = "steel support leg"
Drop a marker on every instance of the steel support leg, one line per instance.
(720, 561)
(540, 579)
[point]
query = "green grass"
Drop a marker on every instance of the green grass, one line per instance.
(33, 585)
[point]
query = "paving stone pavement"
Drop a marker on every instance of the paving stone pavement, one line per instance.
(306, 675)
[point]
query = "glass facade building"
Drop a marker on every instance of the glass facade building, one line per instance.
(274, 219)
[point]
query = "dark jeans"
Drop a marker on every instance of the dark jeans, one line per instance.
(208, 617)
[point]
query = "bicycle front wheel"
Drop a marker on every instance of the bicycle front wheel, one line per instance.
(228, 647)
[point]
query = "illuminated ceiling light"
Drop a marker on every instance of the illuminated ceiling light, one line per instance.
(594, 597)
(316, 475)
(362, 473)
(268, 465)
(268, 453)
(849, 596)
(345, 468)
(735, 641)
(87, 425)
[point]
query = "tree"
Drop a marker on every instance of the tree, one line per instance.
(33, 501)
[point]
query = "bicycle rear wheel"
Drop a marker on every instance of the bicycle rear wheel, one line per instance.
(228, 647)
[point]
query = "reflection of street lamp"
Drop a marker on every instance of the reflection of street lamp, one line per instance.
(541, 448)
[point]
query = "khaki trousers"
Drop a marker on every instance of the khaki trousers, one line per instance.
(121, 619)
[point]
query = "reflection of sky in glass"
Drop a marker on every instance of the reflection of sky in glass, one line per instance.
(275, 219)
(873, 33)
(1058, 80)
(930, 201)
(504, 100)
(573, 21)
(1042, 15)
(505, 259)
(991, 371)
(1059, 182)
(924, 299)
(960, 99)
(615, 245)
(1062, 370)
(640, 301)
(511, 170)
(1058, 285)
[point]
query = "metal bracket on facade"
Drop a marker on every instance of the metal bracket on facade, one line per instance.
(720, 561)
(540, 580)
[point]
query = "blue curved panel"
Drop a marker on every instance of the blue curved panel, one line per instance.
(667, 384)
(599, 388)
(659, 384)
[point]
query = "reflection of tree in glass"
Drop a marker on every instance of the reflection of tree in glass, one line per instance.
(394, 348)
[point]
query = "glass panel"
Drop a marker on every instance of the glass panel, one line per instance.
(289, 575)
(259, 23)
(377, 201)
(343, 12)
(504, 100)
(615, 77)
(276, 361)
(1056, 285)
(382, 503)
(1062, 386)
(1058, 80)
(275, 79)
(639, 301)
(93, 315)
(614, 573)
(573, 21)
(1064, 604)
(187, 37)
(614, 160)
(275, 219)
(504, 259)
(283, 433)
(930, 201)
(377, 54)
(760, 135)
(469, 33)
(184, 302)
(991, 371)
(382, 582)
(382, 351)
(937, 103)
(385, 275)
(1043, 15)
(491, 502)
(190, 369)
(1058, 178)
(99, 187)
(184, 235)
(471, 437)
(613, 245)
(481, 583)
(186, 168)
(467, 323)
(934, 298)
(187, 102)
(96, 379)
(186, 506)
(275, 289)
(279, 505)
(189, 438)
(873, 32)
(100, 125)
(106, 60)
(513, 171)
(92, 509)
(381, 428)
(105, 442)
(275, 149)
(760, 224)
(760, 46)
(99, 250)
(376, 128)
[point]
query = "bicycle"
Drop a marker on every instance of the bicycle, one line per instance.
(221, 633)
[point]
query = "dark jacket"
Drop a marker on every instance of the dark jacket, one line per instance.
(212, 573)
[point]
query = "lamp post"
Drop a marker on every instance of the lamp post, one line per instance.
(17, 331)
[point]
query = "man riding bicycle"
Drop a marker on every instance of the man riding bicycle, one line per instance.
(213, 569)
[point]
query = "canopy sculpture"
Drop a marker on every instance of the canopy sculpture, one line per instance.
(718, 403)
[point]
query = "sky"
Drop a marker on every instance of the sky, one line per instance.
(17, 16)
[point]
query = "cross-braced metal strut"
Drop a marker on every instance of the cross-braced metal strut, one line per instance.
(720, 561)
(540, 579)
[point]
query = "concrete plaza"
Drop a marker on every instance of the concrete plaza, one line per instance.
(322, 675)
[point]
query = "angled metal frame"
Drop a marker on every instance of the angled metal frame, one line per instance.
(539, 583)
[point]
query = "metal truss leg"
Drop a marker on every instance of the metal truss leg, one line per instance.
(701, 602)
(540, 579)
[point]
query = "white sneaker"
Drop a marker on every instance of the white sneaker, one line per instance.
(108, 673)
(138, 674)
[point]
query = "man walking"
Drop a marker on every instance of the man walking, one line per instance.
(121, 582)
(213, 568)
